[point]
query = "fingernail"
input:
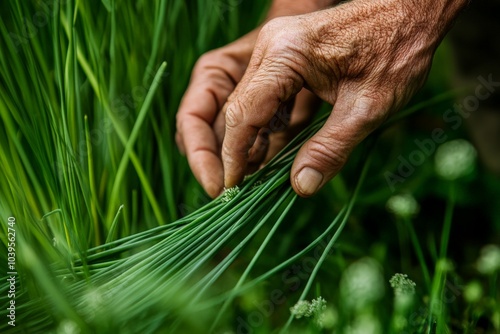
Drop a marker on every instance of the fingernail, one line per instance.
(308, 181)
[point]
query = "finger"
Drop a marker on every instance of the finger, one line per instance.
(306, 105)
(258, 151)
(354, 116)
(219, 126)
(180, 143)
(268, 135)
(278, 123)
(205, 96)
(252, 106)
(205, 162)
(202, 152)
(195, 136)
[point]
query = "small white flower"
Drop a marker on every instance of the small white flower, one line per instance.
(403, 205)
(362, 283)
(313, 308)
(318, 305)
(301, 309)
(455, 159)
(230, 193)
(473, 292)
(445, 265)
(402, 285)
(68, 327)
(489, 261)
(257, 184)
(327, 319)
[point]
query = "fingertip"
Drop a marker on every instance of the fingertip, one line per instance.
(231, 180)
(213, 189)
(307, 181)
(234, 163)
(318, 161)
(212, 182)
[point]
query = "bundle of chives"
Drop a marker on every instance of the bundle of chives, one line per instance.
(172, 272)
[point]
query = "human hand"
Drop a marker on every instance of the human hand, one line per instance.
(199, 136)
(366, 58)
(200, 125)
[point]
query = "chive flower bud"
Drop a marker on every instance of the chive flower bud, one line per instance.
(489, 261)
(230, 193)
(403, 205)
(314, 308)
(362, 284)
(455, 159)
(402, 285)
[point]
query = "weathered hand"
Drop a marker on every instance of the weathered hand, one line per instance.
(365, 57)
(201, 125)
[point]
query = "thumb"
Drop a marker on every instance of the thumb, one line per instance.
(324, 155)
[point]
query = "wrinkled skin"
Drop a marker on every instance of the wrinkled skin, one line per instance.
(247, 99)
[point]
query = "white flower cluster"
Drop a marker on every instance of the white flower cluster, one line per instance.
(403, 205)
(314, 308)
(230, 193)
(455, 159)
(362, 283)
(473, 292)
(402, 285)
(301, 309)
(489, 261)
(68, 327)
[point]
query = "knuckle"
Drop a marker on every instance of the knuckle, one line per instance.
(325, 155)
(234, 114)
(366, 110)
(227, 153)
(206, 60)
(372, 108)
(274, 26)
(281, 34)
(285, 48)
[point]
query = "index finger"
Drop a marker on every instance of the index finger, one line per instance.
(195, 133)
(253, 104)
